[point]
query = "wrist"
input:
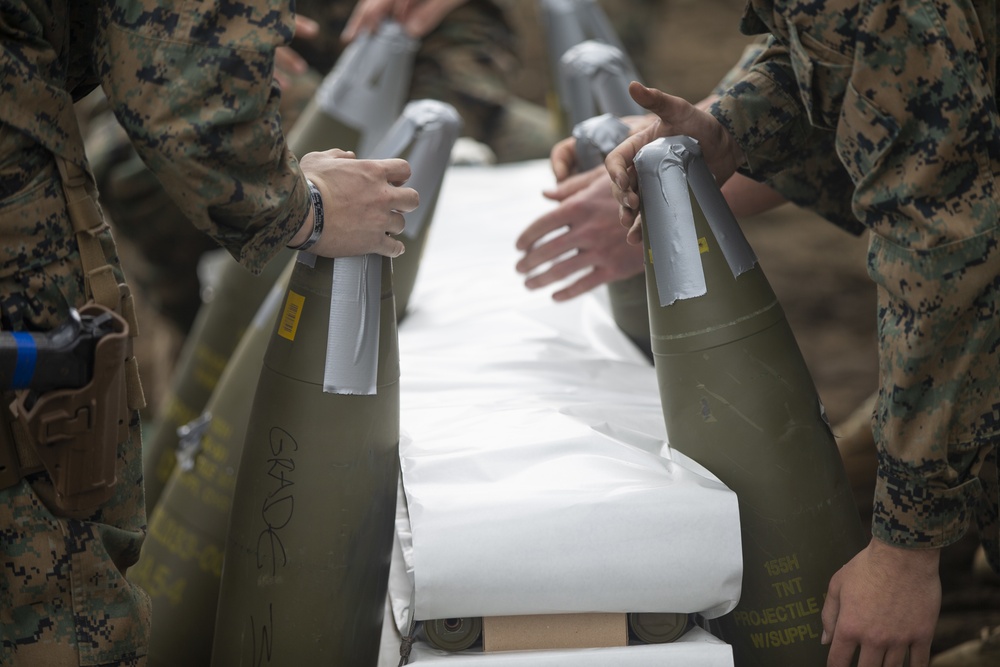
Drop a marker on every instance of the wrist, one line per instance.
(312, 226)
(907, 558)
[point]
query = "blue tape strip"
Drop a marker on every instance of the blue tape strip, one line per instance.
(27, 355)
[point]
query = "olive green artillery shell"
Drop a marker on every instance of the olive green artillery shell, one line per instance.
(181, 561)
(317, 130)
(630, 310)
(216, 331)
(565, 25)
(424, 134)
(406, 266)
(737, 398)
(221, 322)
(628, 295)
(308, 549)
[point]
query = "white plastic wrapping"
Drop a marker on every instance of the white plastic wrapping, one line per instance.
(533, 454)
(527, 510)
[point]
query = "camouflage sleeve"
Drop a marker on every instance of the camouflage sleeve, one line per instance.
(907, 93)
(750, 54)
(191, 82)
(803, 167)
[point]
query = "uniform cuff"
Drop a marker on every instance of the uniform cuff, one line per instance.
(275, 235)
(762, 115)
(910, 513)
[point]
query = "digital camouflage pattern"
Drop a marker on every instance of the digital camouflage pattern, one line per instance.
(888, 109)
(466, 61)
(63, 594)
(212, 147)
(168, 247)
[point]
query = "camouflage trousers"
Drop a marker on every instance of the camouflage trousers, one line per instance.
(64, 599)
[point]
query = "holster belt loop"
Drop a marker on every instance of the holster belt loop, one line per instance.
(88, 224)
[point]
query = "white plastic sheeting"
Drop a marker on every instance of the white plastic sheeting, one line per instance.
(534, 461)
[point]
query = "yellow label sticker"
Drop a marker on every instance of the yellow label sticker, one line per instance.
(702, 245)
(290, 318)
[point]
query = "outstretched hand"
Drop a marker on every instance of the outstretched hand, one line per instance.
(589, 239)
(676, 116)
(363, 200)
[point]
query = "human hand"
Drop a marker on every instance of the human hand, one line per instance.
(886, 602)
(363, 202)
(418, 17)
(588, 215)
(676, 116)
(562, 157)
(287, 62)
(563, 154)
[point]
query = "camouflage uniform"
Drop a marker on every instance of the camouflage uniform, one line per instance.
(882, 115)
(466, 61)
(192, 86)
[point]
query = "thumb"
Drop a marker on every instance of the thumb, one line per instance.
(391, 247)
(669, 108)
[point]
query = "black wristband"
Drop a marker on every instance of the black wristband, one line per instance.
(317, 202)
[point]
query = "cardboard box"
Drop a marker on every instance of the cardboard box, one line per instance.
(543, 631)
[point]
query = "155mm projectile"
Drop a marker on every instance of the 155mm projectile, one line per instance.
(595, 138)
(362, 96)
(310, 535)
(595, 77)
(737, 397)
(221, 321)
(307, 554)
(424, 135)
(565, 24)
(181, 560)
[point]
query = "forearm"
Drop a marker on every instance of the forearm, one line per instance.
(937, 414)
(198, 102)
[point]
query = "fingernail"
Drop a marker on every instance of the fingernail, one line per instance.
(824, 638)
(621, 183)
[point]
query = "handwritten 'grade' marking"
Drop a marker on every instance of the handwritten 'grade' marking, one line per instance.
(279, 505)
